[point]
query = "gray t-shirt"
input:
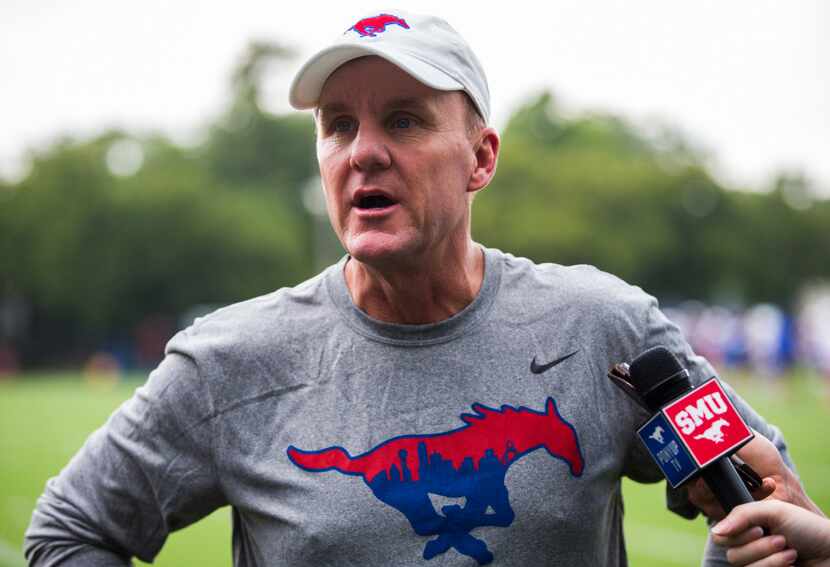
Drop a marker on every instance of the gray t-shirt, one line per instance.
(341, 440)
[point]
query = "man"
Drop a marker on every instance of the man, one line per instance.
(424, 400)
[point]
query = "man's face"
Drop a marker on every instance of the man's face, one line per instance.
(396, 161)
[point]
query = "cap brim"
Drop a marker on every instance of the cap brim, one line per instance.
(308, 82)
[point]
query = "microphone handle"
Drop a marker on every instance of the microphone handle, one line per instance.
(725, 484)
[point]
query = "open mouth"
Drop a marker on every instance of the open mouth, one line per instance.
(374, 202)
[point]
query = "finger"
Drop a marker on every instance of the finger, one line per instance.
(761, 454)
(709, 506)
(713, 513)
(743, 517)
(781, 559)
(711, 509)
(703, 498)
(739, 538)
(766, 489)
(757, 550)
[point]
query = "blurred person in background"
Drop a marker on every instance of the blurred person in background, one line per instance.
(370, 415)
(814, 330)
(767, 339)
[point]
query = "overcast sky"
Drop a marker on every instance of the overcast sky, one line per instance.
(747, 80)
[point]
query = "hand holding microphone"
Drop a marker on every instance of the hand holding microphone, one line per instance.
(657, 381)
(693, 431)
(759, 534)
(806, 533)
(779, 482)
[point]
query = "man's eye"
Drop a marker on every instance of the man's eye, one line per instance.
(402, 122)
(342, 125)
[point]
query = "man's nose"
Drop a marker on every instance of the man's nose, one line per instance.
(369, 150)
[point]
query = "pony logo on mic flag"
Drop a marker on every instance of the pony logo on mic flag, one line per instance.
(667, 450)
(707, 423)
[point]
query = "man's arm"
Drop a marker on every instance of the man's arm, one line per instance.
(148, 471)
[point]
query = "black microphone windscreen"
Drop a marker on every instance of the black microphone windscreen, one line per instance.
(652, 367)
(658, 377)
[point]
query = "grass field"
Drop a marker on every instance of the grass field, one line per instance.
(45, 419)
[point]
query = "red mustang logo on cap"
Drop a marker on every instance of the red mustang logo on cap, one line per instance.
(368, 27)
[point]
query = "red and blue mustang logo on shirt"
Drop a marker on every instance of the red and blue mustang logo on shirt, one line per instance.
(469, 462)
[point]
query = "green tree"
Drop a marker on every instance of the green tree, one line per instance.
(594, 189)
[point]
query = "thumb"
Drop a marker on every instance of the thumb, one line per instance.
(745, 516)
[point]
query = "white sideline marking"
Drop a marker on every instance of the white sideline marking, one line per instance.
(10, 556)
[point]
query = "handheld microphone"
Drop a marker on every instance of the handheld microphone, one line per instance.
(657, 379)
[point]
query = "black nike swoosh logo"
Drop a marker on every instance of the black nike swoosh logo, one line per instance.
(539, 368)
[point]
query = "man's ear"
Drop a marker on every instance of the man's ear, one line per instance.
(486, 152)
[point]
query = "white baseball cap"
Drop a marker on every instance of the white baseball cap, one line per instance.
(425, 47)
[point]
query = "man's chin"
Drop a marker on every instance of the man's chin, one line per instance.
(380, 251)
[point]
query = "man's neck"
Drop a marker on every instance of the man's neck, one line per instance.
(418, 293)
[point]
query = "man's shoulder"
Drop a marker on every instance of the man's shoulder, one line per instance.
(575, 285)
(259, 324)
